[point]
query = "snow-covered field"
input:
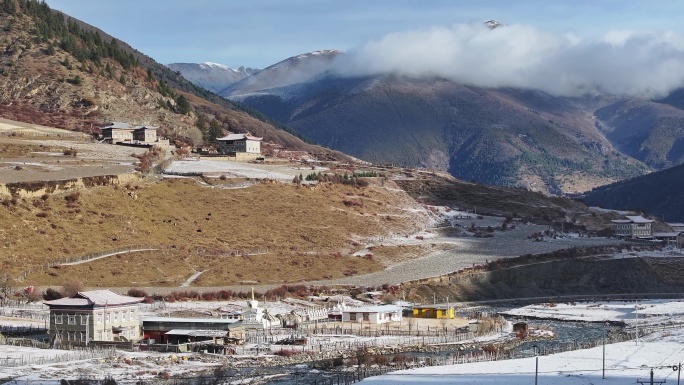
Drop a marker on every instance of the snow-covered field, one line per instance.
(626, 362)
(230, 169)
(651, 312)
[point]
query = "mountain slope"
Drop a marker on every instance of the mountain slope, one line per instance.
(659, 193)
(58, 71)
(503, 137)
(212, 76)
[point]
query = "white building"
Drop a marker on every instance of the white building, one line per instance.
(372, 314)
(633, 227)
(233, 144)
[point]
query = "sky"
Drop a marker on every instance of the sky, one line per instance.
(562, 47)
(258, 33)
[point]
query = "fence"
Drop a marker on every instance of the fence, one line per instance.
(84, 258)
(33, 359)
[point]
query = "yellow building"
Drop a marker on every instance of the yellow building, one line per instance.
(433, 311)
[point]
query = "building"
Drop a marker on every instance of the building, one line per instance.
(633, 227)
(119, 132)
(240, 146)
(678, 227)
(175, 330)
(98, 315)
(372, 314)
(433, 311)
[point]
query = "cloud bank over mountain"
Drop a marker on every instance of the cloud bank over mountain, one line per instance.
(629, 63)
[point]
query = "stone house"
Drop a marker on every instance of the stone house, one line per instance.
(98, 315)
(119, 132)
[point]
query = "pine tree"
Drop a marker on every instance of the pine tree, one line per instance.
(215, 131)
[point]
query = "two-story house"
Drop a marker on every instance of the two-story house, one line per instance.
(240, 146)
(98, 315)
(119, 132)
(633, 227)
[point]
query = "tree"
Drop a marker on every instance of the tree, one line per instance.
(183, 106)
(195, 136)
(70, 288)
(50, 49)
(215, 131)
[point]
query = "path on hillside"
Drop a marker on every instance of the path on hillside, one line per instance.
(192, 279)
(105, 256)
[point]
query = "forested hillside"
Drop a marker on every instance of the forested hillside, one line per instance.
(58, 71)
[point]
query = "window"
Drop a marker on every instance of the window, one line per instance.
(116, 317)
(71, 319)
(130, 315)
(83, 337)
(352, 316)
(107, 317)
(99, 335)
(58, 319)
(70, 336)
(84, 319)
(365, 316)
(99, 318)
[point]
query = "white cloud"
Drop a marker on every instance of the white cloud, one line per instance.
(630, 63)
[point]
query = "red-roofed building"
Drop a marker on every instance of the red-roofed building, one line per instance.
(98, 315)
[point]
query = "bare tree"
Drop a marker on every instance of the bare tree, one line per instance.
(6, 287)
(70, 288)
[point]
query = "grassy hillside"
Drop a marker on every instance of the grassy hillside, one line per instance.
(303, 232)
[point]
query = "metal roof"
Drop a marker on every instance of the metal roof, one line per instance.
(197, 333)
(372, 309)
(190, 320)
(118, 125)
(633, 219)
(95, 298)
(246, 136)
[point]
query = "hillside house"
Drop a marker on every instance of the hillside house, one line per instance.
(372, 314)
(119, 132)
(98, 315)
(633, 227)
(240, 146)
(433, 311)
(677, 226)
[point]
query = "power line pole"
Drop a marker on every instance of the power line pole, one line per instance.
(651, 381)
(604, 351)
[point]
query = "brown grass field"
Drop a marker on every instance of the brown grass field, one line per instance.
(306, 232)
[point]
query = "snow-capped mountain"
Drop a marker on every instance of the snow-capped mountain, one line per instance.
(212, 76)
(293, 70)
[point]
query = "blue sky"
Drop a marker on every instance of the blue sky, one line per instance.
(258, 33)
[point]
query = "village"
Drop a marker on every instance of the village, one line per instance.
(134, 338)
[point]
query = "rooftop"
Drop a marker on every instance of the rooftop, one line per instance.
(246, 136)
(95, 298)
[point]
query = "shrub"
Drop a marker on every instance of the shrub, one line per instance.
(134, 292)
(286, 353)
(51, 294)
(73, 197)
